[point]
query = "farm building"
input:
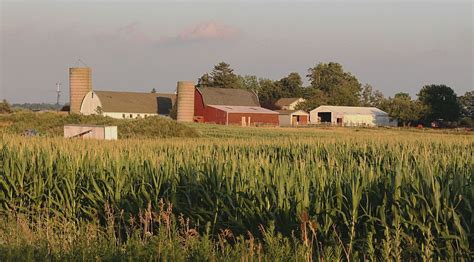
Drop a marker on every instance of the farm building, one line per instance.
(229, 106)
(90, 132)
(127, 104)
(293, 117)
(350, 116)
(84, 100)
(288, 103)
(210, 105)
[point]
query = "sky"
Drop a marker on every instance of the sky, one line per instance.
(396, 46)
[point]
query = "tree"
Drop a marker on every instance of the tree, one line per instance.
(270, 91)
(204, 81)
(5, 107)
(370, 97)
(441, 102)
(153, 91)
(403, 108)
(317, 98)
(292, 85)
(467, 104)
(222, 76)
(249, 82)
(341, 88)
(467, 109)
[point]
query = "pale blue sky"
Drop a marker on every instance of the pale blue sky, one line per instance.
(397, 46)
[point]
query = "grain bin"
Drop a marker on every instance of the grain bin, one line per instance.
(185, 101)
(80, 83)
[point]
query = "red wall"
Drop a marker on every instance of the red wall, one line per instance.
(268, 119)
(303, 120)
(214, 115)
(210, 114)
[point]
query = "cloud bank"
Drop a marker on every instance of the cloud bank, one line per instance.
(206, 31)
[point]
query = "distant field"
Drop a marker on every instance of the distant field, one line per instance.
(231, 193)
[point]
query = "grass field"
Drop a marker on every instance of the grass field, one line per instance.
(235, 193)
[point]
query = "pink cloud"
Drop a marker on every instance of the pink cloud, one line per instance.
(205, 31)
(129, 33)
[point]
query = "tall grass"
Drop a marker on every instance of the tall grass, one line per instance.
(51, 124)
(353, 197)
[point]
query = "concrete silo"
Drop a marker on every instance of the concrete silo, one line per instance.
(185, 101)
(80, 83)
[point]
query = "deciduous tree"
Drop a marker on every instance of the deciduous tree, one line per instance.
(403, 108)
(341, 88)
(441, 102)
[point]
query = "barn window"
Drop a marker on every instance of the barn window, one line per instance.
(131, 115)
(123, 115)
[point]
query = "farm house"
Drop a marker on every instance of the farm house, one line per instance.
(84, 100)
(288, 103)
(350, 116)
(227, 106)
(293, 117)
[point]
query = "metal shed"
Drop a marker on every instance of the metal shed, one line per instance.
(293, 117)
(350, 116)
(90, 132)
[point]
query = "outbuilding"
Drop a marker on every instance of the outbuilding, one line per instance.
(289, 103)
(127, 104)
(350, 116)
(228, 106)
(293, 117)
(91, 132)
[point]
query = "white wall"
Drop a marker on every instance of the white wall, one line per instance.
(354, 120)
(293, 105)
(285, 120)
(90, 104)
(125, 115)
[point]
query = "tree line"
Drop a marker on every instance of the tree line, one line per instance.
(330, 84)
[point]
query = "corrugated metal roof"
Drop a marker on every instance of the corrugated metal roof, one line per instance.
(243, 109)
(228, 96)
(286, 101)
(351, 110)
(290, 112)
(133, 102)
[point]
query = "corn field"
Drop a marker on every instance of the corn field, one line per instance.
(395, 196)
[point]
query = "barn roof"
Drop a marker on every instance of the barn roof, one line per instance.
(351, 110)
(286, 101)
(290, 112)
(228, 96)
(244, 109)
(133, 102)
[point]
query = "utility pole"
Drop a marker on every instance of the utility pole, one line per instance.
(58, 94)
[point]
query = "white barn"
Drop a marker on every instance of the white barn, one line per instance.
(126, 104)
(350, 116)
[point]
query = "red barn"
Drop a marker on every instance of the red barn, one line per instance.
(227, 106)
